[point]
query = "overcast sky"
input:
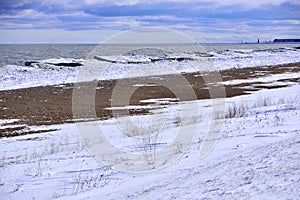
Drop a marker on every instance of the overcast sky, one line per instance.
(24, 21)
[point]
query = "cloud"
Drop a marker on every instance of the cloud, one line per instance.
(22, 14)
(233, 18)
(54, 36)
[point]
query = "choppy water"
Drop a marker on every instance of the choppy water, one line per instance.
(13, 73)
(17, 54)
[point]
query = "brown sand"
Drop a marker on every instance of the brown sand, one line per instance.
(53, 104)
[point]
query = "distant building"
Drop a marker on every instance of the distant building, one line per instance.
(286, 40)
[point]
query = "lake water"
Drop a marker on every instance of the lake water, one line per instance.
(17, 54)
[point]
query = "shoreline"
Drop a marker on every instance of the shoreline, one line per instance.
(46, 105)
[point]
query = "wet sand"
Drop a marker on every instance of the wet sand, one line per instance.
(53, 104)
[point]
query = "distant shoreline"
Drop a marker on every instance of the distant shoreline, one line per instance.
(286, 41)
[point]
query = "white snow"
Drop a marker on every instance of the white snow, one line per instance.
(145, 85)
(61, 60)
(131, 107)
(159, 101)
(264, 79)
(241, 58)
(256, 156)
(8, 121)
(15, 77)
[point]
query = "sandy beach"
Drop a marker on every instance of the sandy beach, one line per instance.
(48, 105)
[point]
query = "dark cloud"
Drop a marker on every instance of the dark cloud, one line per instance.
(193, 10)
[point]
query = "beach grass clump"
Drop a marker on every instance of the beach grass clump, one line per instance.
(87, 181)
(236, 111)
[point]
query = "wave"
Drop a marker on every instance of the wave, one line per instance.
(65, 62)
(151, 55)
(64, 70)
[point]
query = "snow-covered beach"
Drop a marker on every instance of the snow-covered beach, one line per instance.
(256, 155)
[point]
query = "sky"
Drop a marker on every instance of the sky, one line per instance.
(92, 21)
